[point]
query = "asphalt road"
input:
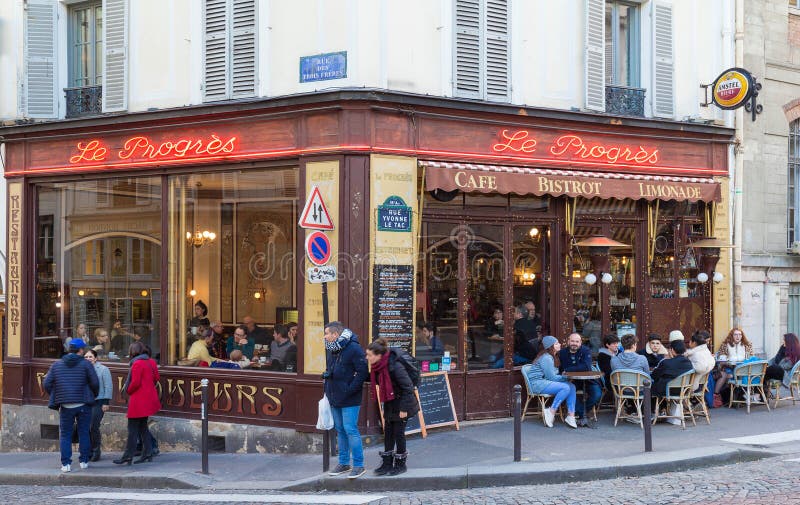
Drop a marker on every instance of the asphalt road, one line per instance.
(773, 481)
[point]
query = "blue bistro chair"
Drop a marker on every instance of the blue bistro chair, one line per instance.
(750, 377)
(679, 392)
(774, 387)
(628, 387)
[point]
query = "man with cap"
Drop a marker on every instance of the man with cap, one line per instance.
(72, 385)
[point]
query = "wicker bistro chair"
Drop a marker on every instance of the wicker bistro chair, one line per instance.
(700, 409)
(750, 377)
(774, 387)
(628, 386)
(679, 392)
(539, 400)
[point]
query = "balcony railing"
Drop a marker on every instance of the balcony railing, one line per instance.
(84, 101)
(625, 101)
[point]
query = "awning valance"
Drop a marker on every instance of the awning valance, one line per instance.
(470, 177)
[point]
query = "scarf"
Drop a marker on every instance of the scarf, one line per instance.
(339, 343)
(380, 371)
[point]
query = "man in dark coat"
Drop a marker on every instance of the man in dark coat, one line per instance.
(576, 357)
(670, 368)
(344, 382)
(72, 385)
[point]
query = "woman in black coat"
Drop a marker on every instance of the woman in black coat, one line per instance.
(388, 371)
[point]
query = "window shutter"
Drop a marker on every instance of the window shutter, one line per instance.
(244, 49)
(663, 73)
(497, 50)
(40, 94)
(215, 50)
(468, 49)
(115, 49)
(595, 71)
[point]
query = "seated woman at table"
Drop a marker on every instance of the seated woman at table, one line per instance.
(784, 360)
(199, 349)
(544, 379)
(102, 343)
(735, 349)
(700, 355)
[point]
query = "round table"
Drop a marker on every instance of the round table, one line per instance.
(584, 376)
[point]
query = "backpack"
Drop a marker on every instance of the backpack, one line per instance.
(411, 365)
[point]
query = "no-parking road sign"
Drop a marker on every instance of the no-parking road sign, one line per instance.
(318, 248)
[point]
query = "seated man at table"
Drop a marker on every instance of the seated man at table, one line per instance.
(629, 359)
(282, 351)
(605, 354)
(670, 368)
(240, 341)
(256, 334)
(576, 357)
(654, 350)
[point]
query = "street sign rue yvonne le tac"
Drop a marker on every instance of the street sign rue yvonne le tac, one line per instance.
(315, 214)
(318, 275)
(318, 248)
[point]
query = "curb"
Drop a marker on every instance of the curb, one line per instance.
(518, 474)
(90, 479)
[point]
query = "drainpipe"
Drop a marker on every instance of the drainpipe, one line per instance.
(738, 176)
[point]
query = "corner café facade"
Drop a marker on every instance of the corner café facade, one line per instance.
(444, 211)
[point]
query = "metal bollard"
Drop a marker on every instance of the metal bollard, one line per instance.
(204, 420)
(646, 422)
(517, 403)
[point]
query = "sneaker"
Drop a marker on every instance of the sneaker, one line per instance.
(672, 420)
(340, 469)
(632, 420)
(66, 468)
(570, 421)
(548, 418)
(84, 466)
(357, 472)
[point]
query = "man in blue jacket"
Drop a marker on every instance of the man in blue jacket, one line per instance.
(72, 385)
(344, 381)
(576, 357)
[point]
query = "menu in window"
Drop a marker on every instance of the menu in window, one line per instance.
(393, 305)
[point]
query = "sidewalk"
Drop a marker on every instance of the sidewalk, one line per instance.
(478, 455)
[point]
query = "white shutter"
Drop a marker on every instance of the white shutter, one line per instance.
(468, 49)
(243, 44)
(41, 94)
(497, 50)
(594, 64)
(115, 50)
(663, 71)
(215, 50)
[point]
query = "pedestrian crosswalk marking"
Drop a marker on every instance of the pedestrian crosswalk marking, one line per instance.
(339, 499)
(779, 437)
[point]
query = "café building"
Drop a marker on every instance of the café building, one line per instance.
(443, 212)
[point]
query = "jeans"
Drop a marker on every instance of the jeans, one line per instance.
(137, 430)
(94, 428)
(394, 433)
(345, 421)
(592, 392)
(67, 419)
(562, 391)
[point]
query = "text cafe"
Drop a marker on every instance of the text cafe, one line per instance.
(450, 228)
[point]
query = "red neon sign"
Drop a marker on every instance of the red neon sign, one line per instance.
(141, 147)
(573, 146)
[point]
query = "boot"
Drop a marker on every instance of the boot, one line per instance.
(388, 462)
(399, 464)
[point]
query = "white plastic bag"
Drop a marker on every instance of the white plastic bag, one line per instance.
(325, 418)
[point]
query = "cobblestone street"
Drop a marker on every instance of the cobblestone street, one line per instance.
(773, 481)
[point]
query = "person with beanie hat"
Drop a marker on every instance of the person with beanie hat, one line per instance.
(543, 378)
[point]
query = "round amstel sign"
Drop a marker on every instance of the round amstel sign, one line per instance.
(732, 88)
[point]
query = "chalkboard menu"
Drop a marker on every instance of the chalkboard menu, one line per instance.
(393, 305)
(436, 400)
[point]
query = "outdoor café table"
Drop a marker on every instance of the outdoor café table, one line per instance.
(584, 376)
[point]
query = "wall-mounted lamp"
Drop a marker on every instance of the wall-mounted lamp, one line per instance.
(707, 251)
(598, 247)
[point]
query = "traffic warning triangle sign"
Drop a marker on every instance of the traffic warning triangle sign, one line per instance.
(315, 215)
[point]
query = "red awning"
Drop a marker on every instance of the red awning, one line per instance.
(470, 177)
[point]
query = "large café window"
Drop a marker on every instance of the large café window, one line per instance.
(232, 248)
(98, 265)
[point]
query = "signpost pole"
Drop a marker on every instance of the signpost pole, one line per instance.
(326, 436)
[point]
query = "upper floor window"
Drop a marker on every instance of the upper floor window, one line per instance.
(482, 54)
(622, 46)
(793, 202)
(229, 50)
(86, 44)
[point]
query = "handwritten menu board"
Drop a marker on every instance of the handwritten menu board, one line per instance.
(436, 400)
(393, 305)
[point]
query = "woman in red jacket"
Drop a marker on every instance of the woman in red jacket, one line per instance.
(143, 402)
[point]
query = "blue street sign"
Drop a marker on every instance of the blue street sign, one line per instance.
(318, 248)
(323, 67)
